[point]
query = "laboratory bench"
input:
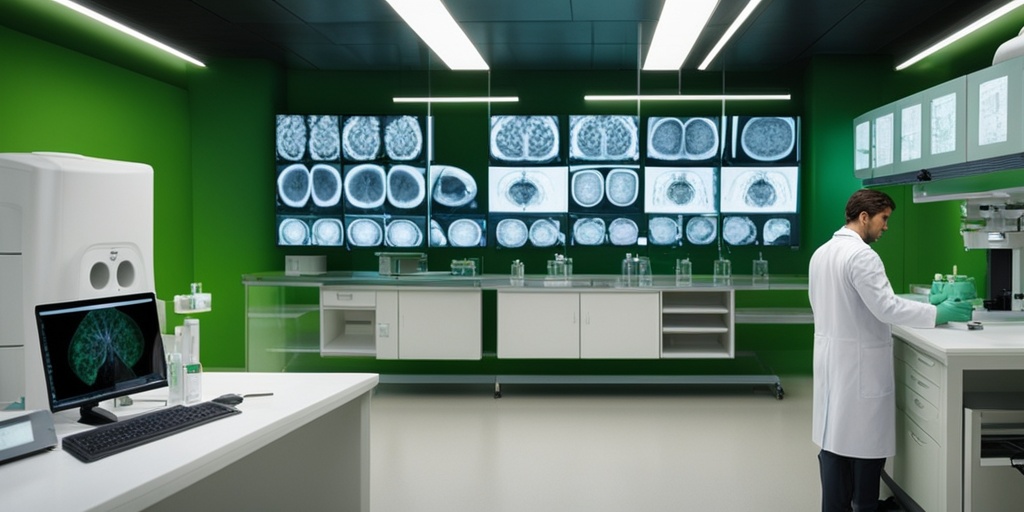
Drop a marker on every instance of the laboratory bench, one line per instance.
(435, 316)
(953, 385)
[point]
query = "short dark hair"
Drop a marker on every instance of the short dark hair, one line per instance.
(868, 200)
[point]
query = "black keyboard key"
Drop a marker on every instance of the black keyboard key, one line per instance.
(106, 440)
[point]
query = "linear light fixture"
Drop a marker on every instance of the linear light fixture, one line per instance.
(458, 99)
(687, 97)
(736, 24)
(436, 27)
(985, 20)
(680, 23)
(128, 30)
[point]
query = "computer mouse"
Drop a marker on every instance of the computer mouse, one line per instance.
(229, 399)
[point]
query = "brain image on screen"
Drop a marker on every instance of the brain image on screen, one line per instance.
(291, 137)
(524, 138)
(754, 190)
(452, 187)
(403, 138)
(608, 138)
(777, 232)
(360, 138)
(768, 138)
(105, 347)
(324, 138)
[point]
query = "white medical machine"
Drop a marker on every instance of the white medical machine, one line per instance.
(71, 227)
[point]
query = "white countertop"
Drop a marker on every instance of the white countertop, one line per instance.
(997, 338)
(144, 475)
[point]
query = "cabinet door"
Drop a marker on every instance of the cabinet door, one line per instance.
(916, 465)
(620, 325)
(538, 325)
(439, 324)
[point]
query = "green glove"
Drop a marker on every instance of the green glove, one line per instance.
(937, 298)
(953, 311)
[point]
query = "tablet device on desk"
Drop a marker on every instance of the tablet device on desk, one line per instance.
(26, 434)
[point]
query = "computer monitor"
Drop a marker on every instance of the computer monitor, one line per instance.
(98, 349)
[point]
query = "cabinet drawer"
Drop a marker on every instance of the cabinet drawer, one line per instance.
(926, 388)
(333, 297)
(917, 463)
(927, 366)
(923, 412)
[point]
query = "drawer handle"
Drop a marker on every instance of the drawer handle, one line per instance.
(916, 439)
(343, 296)
(920, 383)
(926, 362)
(918, 403)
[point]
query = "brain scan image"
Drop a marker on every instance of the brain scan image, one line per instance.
(403, 138)
(528, 189)
(701, 230)
(511, 233)
(326, 185)
(777, 232)
(294, 185)
(406, 186)
(291, 137)
(671, 138)
(365, 233)
(545, 233)
(360, 138)
(324, 138)
(622, 186)
(105, 347)
(365, 186)
(768, 139)
(739, 231)
(452, 187)
(403, 233)
(465, 233)
(604, 138)
(756, 190)
(663, 231)
(623, 231)
(437, 236)
(587, 187)
(588, 231)
(524, 138)
(328, 232)
(293, 231)
(680, 190)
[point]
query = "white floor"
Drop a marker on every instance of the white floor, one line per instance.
(570, 449)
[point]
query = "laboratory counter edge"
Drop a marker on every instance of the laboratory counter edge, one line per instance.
(310, 438)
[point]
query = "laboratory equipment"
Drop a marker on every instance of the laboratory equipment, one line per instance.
(759, 271)
(560, 268)
(99, 349)
(517, 273)
(952, 286)
(723, 271)
(71, 227)
(636, 271)
(684, 272)
(466, 267)
(399, 263)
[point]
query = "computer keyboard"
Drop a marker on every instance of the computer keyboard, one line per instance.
(106, 440)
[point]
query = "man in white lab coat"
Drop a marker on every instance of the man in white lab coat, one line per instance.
(854, 307)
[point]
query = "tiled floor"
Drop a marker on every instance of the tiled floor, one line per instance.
(592, 449)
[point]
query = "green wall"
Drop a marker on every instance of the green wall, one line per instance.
(208, 133)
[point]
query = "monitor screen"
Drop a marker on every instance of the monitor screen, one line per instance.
(99, 349)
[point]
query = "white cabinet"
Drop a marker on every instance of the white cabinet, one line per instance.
(697, 324)
(400, 324)
(619, 325)
(920, 465)
(439, 324)
(538, 325)
(569, 325)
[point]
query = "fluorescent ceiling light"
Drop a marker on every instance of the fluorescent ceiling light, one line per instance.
(736, 24)
(680, 23)
(687, 97)
(436, 27)
(458, 99)
(992, 16)
(127, 30)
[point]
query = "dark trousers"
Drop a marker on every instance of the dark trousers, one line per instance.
(848, 483)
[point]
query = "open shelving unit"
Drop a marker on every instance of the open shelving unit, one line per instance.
(697, 324)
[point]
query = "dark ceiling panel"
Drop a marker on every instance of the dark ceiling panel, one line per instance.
(537, 34)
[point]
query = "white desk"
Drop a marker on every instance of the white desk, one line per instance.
(955, 366)
(307, 446)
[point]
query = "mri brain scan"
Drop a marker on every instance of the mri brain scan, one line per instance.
(587, 187)
(328, 232)
(403, 138)
(622, 187)
(701, 230)
(754, 190)
(360, 138)
(768, 139)
(524, 138)
(777, 232)
(739, 231)
(623, 231)
(663, 231)
(588, 231)
(545, 233)
(365, 186)
(403, 233)
(324, 138)
(365, 233)
(672, 138)
(452, 187)
(291, 137)
(293, 231)
(511, 233)
(406, 186)
(325, 185)
(603, 138)
(465, 233)
(294, 185)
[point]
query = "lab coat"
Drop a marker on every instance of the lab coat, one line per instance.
(853, 304)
